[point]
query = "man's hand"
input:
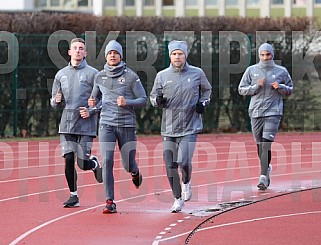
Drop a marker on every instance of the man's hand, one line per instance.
(275, 85)
(161, 101)
(84, 113)
(200, 108)
(261, 82)
(121, 101)
(91, 102)
(58, 96)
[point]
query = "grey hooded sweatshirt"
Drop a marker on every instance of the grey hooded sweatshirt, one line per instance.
(75, 84)
(183, 89)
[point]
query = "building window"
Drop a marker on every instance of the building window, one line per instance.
(55, 3)
(253, 2)
(191, 2)
(211, 2)
(231, 2)
(41, 3)
(168, 2)
(82, 3)
(68, 3)
(129, 3)
(110, 3)
(149, 3)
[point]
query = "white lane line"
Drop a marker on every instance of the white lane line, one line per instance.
(156, 242)
(81, 186)
(27, 233)
(117, 158)
(169, 228)
(34, 178)
(65, 216)
(149, 177)
(158, 165)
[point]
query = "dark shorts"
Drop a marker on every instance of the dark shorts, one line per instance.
(265, 127)
(79, 144)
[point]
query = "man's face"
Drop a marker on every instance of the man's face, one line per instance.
(178, 58)
(265, 55)
(77, 52)
(113, 58)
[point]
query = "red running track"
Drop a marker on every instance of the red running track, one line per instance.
(226, 207)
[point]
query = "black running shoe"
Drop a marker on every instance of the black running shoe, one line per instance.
(137, 179)
(110, 207)
(98, 172)
(72, 202)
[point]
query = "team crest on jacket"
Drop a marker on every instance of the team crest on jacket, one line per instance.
(121, 80)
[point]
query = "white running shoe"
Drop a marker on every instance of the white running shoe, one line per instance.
(186, 191)
(178, 205)
(263, 183)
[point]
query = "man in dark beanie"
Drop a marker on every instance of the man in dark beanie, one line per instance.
(266, 83)
(183, 91)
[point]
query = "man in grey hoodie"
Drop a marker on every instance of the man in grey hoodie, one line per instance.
(117, 92)
(183, 91)
(71, 89)
(266, 83)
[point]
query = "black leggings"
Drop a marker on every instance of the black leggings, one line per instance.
(70, 170)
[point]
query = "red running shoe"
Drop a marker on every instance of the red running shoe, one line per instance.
(110, 207)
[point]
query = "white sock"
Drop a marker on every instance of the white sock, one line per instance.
(74, 193)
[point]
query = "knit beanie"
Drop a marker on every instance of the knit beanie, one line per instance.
(174, 45)
(266, 47)
(114, 45)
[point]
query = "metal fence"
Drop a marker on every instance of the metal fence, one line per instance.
(29, 63)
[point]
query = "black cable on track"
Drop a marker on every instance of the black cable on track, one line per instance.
(241, 206)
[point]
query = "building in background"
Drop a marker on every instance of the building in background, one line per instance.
(18, 5)
(178, 8)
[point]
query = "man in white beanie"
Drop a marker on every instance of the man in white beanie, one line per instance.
(183, 91)
(117, 92)
(266, 83)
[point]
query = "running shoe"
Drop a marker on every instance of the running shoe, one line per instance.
(178, 205)
(98, 172)
(72, 202)
(110, 207)
(263, 183)
(186, 191)
(137, 179)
